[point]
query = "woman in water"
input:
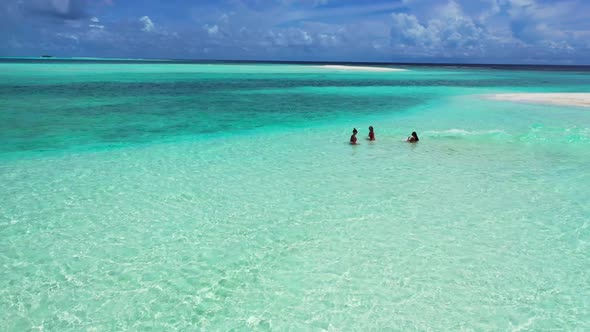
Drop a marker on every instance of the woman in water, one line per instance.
(353, 137)
(371, 134)
(413, 139)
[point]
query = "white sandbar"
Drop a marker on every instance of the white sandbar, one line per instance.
(359, 68)
(567, 99)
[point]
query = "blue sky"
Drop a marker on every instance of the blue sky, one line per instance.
(466, 31)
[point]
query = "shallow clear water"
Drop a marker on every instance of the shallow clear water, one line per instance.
(219, 197)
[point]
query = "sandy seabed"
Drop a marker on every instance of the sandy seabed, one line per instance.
(567, 99)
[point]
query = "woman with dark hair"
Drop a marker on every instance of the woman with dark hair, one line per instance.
(413, 139)
(371, 134)
(353, 137)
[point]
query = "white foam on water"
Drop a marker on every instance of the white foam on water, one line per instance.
(463, 132)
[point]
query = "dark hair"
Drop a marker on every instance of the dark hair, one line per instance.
(415, 136)
(371, 128)
(354, 131)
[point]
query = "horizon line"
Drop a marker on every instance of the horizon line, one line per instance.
(402, 63)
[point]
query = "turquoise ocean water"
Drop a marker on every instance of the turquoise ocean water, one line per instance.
(181, 197)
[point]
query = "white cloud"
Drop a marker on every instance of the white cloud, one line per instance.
(561, 46)
(211, 30)
(148, 25)
(327, 39)
(450, 34)
(493, 10)
(450, 9)
(61, 6)
(306, 37)
(513, 30)
(464, 30)
(299, 38)
(94, 24)
(407, 30)
(69, 36)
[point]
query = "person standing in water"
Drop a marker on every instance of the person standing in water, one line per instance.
(371, 134)
(413, 139)
(353, 137)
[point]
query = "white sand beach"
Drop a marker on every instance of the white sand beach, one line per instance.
(359, 68)
(567, 99)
